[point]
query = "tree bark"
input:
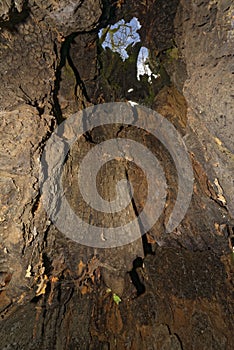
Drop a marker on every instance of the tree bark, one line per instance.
(163, 290)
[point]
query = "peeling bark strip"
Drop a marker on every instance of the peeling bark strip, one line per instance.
(164, 290)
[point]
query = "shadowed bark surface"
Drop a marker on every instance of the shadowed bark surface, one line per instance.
(176, 288)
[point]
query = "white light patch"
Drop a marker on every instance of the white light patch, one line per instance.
(120, 35)
(143, 67)
(132, 103)
(130, 90)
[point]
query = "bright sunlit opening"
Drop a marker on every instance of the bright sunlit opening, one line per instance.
(120, 35)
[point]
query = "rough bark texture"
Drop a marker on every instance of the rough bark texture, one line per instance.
(54, 292)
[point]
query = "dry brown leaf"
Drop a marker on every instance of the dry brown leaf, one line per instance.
(150, 239)
(119, 3)
(41, 287)
(54, 279)
(80, 267)
(220, 195)
(84, 290)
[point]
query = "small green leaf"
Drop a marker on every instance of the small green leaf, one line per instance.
(116, 299)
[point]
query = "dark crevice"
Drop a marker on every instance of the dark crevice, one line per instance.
(63, 55)
(68, 296)
(140, 287)
(178, 338)
(47, 264)
(138, 262)
(14, 18)
(79, 81)
(88, 137)
(39, 109)
(78, 6)
(108, 13)
(36, 204)
(87, 134)
(36, 299)
(146, 246)
(120, 130)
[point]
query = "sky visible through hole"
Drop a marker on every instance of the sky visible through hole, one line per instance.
(121, 35)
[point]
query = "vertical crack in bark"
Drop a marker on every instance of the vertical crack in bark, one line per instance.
(146, 246)
(64, 50)
(79, 81)
(87, 134)
(65, 56)
(56, 105)
(138, 262)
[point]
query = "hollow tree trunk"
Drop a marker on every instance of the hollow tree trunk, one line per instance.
(163, 290)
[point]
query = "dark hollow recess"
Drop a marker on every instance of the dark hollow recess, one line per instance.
(137, 263)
